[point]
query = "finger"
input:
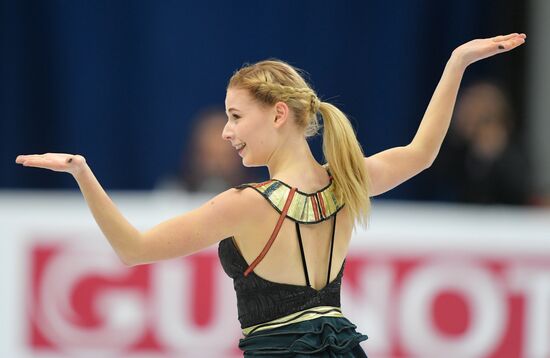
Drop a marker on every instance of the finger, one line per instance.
(37, 163)
(34, 160)
(31, 163)
(504, 37)
(28, 156)
(22, 158)
(36, 157)
(511, 44)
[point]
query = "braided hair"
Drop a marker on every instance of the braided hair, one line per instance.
(273, 81)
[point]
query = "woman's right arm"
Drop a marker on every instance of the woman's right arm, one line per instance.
(122, 235)
(219, 218)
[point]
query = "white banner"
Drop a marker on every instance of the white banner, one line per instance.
(424, 280)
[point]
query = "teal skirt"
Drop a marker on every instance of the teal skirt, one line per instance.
(333, 337)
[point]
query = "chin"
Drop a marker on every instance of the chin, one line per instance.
(252, 164)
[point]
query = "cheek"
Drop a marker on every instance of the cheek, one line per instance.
(259, 139)
(258, 136)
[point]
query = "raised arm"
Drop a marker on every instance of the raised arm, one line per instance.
(394, 166)
(179, 236)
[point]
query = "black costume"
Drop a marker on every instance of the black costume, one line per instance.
(290, 320)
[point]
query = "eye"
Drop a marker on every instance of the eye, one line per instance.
(236, 116)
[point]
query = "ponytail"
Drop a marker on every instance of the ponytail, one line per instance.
(271, 81)
(346, 162)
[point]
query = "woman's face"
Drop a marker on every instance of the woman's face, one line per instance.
(249, 123)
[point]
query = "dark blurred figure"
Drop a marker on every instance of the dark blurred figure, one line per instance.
(482, 159)
(208, 163)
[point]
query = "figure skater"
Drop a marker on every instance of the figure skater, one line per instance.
(278, 239)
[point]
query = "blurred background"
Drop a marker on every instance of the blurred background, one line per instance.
(138, 88)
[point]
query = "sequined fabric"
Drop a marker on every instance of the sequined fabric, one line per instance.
(305, 208)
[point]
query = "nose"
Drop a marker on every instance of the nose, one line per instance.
(226, 132)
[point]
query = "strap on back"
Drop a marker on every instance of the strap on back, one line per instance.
(331, 247)
(273, 235)
(304, 256)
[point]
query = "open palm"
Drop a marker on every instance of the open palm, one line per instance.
(59, 162)
(479, 49)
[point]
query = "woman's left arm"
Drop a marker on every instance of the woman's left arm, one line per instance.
(436, 119)
(393, 166)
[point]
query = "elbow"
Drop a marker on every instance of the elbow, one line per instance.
(424, 157)
(426, 164)
(133, 256)
(127, 261)
(431, 159)
(429, 163)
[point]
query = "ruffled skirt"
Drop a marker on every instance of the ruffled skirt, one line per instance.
(333, 337)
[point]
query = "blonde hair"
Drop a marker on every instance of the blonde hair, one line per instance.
(273, 81)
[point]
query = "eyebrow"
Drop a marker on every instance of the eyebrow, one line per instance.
(232, 109)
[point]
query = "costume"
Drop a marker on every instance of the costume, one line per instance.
(287, 320)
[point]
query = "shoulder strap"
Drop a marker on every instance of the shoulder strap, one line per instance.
(331, 248)
(273, 235)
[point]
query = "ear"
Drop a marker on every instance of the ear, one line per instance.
(281, 113)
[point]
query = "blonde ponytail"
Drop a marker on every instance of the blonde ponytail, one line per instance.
(345, 159)
(272, 81)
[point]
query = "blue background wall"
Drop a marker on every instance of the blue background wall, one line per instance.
(118, 81)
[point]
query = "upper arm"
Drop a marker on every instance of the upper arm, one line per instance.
(394, 166)
(215, 220)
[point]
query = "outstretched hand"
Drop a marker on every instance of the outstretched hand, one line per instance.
(59, 162)
(479, 49)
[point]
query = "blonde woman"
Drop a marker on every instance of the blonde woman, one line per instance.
(284, 241)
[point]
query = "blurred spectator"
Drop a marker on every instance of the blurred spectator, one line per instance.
(208, 163)
(482, 159)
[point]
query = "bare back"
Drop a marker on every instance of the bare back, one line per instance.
(283, 263)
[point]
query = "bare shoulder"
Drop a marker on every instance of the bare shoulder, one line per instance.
(227, 214)
(233, 208)
(235, 202)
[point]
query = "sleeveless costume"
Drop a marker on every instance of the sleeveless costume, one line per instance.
(287, 320)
